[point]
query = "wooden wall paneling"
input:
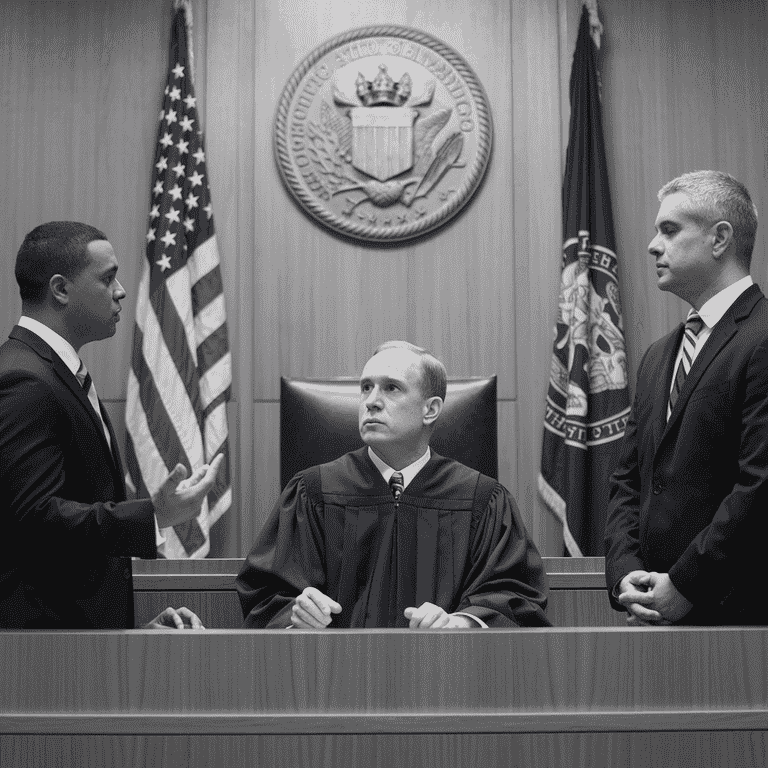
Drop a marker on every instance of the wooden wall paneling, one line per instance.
(78, 126)
(681, 91)
(461, 285)
(229, 110)
(508, 450)
(582, 608)
(336, 300)
(265, 472)
(537, 238)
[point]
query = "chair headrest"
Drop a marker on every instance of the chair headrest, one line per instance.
(319, 423)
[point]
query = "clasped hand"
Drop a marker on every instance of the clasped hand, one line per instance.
(313, 610)
(651, 599)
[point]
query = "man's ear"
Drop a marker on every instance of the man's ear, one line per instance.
(723, 237)
(432, 409)
(59, 286)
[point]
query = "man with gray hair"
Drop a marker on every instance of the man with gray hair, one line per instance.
(686, 526)
(393, 535)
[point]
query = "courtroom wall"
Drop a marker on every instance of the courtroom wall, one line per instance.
(683, 88)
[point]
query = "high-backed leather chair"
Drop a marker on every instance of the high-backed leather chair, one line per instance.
(318, 423)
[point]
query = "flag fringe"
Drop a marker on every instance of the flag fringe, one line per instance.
(556, 505)
(595, 25)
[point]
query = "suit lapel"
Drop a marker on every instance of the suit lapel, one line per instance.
(116, 460)
(70, 381)
(721, 334)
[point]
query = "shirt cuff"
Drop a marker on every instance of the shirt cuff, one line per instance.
(159, 538)
(480, 622)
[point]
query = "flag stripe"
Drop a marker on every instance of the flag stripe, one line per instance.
(152, 411)
(205, 289)
(215, 431)
(177, 287)
(212, 350)
(223, 397)
(204, 260)
(169, 334)
(221, 506)
(221, 485)
(209, 319)
(136, 480)
(181, 416)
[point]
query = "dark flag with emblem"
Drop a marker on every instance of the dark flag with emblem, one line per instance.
(588, 399)
(181, 367)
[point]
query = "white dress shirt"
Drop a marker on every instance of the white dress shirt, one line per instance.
(711, 313)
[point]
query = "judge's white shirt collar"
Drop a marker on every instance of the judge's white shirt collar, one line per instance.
(408, 472)
(713, 309)
(59, 345)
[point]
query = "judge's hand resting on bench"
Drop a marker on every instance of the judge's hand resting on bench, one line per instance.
(312, 610)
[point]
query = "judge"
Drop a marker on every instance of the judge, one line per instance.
(393, 535)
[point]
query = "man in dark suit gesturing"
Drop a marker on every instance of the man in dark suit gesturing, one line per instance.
(688, 505)
(67, 530)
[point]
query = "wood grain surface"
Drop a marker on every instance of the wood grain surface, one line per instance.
(743, 749)
(387, 672)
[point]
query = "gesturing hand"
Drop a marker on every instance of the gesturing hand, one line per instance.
(180, 498)
(431, 616)
(312, 609)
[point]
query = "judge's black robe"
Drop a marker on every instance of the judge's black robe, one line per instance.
(455, 539)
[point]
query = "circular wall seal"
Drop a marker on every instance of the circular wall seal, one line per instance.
(383, 133)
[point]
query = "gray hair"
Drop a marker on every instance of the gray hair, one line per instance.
(717, 196)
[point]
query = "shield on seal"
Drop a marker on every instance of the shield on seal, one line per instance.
(382, 140)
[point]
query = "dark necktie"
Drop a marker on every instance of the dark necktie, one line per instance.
(86, 382)
(396, 485)
(693, 326)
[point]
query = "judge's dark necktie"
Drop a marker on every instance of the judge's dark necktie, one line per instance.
(86, 382)
(693, 326)
(396, 485)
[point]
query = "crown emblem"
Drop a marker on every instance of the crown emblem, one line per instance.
(383, 91)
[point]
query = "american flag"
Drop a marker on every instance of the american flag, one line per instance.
(181, 366)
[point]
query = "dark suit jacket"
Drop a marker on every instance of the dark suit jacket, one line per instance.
(67, 531)
(690, 496)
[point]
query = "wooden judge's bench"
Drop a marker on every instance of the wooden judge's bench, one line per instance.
(579, 695)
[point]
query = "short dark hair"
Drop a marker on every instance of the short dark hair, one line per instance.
(55, 248)
(434, 378)
(717, 196)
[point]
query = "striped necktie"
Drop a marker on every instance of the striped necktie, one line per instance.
(693, 326)
(396, 485)
(86, 382)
